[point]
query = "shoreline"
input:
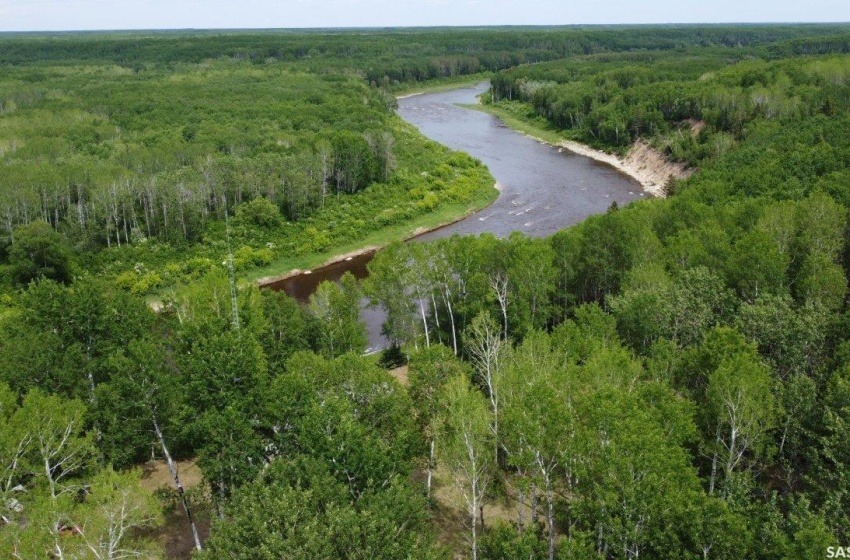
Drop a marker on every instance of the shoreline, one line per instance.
(642, 162)
(459, 82)
(620, 164)
(266, 281)
(650, 181)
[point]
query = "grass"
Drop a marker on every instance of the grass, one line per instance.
(532, 126)
(443, 215)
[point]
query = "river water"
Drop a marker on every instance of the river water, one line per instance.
(543, 189)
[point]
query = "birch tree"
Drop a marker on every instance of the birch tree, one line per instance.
(388, 286)
(487, 349)
(145, 398)
(114, 511)
(61, 453)
(466, 449)
(447, 283)
(16, 438)
(500, 284)
(741, 402)
(337, 306)
(428, 371)
(634, 479)
(59, 442)
(539, 422)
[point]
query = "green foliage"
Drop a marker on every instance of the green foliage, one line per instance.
(138, 281)
(666, 380)
(74, 328)
(296, 509)
(740, 407)
(348, 413)
(680, 311)
(245, 257)
(792, 339)
(428, 372)
(287, 330)
(38, 252)
(259, 212)
(829, 479)
(503, 542)
(58, 501)
(337, 307)
(305, 160)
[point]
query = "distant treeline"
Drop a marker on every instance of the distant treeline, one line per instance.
(404, 55)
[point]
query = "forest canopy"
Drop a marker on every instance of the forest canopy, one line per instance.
(670, 379)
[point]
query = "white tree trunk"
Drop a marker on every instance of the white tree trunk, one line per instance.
(177, 483)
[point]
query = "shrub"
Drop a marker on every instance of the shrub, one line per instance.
(260, 212)
(246, 257)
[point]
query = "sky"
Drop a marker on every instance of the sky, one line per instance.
(62, 15)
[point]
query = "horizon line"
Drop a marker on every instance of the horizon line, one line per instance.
(424, 27)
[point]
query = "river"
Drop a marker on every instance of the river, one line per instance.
(543, 188)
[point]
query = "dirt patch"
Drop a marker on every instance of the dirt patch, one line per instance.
(175, 534)
(155, 475)
(400, 373)
(450, 519)
(695, 126)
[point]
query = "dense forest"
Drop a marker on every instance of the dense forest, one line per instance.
(153, 164)
(670, 379)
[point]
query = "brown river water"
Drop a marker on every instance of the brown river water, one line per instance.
(543, 189)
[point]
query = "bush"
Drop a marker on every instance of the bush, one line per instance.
(246, 257)
(197, 267)
(138, 281)
(503, 542)
(38, 252)
(259, 212)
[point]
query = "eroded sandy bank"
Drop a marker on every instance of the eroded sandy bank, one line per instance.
(642, 162)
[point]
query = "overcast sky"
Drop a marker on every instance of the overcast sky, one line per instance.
(31, 15)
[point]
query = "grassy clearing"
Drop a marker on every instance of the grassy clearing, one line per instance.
(401, 375)
(442, 216)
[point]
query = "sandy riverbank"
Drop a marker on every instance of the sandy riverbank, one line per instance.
(406, 95)
(642, 162)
